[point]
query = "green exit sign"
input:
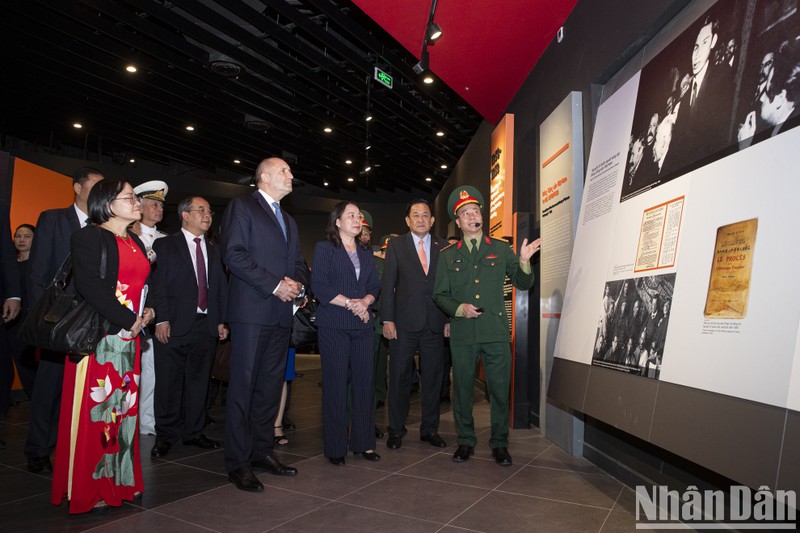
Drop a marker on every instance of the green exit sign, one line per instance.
(383, 77)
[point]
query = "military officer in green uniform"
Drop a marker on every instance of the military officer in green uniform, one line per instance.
(381, 344)
(469, 288)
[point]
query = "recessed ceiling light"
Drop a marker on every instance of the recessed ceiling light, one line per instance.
(77, 125)
(443, 166)
(440, 134)
(325, 183)
(328, 129)
(427, 179)
(367, 169)
(368, 146)
(131, 68)
(350, 179)
(428, 79)
(189, 127)
(236, 161)
(348, 162)
(252, 184)
(368, 118)
(131, 160)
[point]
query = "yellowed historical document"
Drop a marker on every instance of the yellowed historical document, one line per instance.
(729, 285)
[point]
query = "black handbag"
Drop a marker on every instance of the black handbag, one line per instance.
(63, 322)
(304, 329)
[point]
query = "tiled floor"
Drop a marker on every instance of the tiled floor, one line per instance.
(415, 488)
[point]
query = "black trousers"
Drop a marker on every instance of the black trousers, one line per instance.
(45, 406)
(183, 367)
(401, 365)
(258, 366)
(15, 353)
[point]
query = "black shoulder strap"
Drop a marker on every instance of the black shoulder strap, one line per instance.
(65, 269)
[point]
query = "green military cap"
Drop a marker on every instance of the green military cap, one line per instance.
(462, 196)
(385, 241)
(366, 219)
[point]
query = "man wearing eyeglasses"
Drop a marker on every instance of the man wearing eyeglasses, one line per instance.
(50, 247)
(152, 194)
(188, 295)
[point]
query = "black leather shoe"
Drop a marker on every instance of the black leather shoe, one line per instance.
(501, 456)
(244, 479)
(462, 453)
(434, 439)
(394, 442)
(39, 464)
(378, 433)
(338, 461)
(271, 464)
(161, 448)
(369, 456)
(287, 424)
(379, 404)
(202, 442)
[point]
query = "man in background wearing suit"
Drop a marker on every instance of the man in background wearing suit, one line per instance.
(10, 294)
(469, 288)
(188, 295)
(50, 247)
(261, 247)
(411, 322)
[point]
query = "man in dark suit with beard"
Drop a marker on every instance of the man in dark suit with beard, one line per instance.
(188, 292)
(411, 322)
(261, 247)
(50, 247)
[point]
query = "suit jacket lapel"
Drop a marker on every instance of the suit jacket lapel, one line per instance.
(434, 258)
(183, 252)
(268, 208)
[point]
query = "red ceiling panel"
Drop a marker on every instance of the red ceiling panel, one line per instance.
(488, 46)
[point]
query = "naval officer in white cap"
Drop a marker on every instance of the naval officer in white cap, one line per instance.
(153, 194)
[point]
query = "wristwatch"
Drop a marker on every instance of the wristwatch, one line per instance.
(347, 304)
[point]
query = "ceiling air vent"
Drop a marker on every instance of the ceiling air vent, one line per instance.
(256, 124)
(224, 65)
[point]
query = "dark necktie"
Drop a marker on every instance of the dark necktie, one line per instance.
(694, 92)
(279, 216)
(474, 252)
(202, 282)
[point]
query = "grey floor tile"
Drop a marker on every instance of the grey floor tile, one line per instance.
(169, 482)
(37, 514)
(510, 513)
(339, 517)
(414, 497)
(17, 484)
(151, 522)
(228, 509)
(555, 457)
(318, 477)
(565, 486)
(477, 473)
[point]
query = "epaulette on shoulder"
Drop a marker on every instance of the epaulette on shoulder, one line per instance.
(447, 247)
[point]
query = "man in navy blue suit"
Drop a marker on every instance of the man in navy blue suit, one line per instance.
(261, 248)
(50, 248)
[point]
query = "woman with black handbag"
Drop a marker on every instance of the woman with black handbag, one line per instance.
(97, 455)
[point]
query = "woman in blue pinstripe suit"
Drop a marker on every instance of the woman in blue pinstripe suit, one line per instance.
(344, 279)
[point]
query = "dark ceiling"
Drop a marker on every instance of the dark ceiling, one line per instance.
(254, 78)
